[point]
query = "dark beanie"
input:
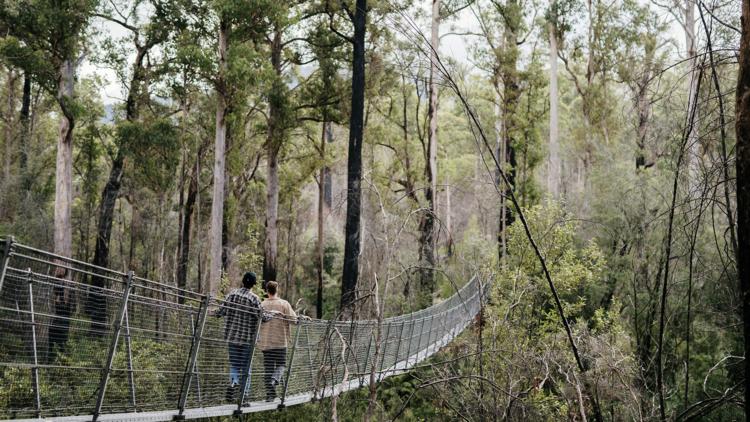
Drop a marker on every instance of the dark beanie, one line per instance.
(249, 280)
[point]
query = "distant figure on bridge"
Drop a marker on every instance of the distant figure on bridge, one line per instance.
(240, 328)
(274, 338)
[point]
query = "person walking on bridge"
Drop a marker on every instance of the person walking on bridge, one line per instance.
(240, 313)
(274, 338)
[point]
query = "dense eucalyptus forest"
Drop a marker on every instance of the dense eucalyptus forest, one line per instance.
(589, 160)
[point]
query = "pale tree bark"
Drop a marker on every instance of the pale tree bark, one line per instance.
(427, 226)
(275, 136)
(62, 300)
(742, 133)
(217, 208)
(64, 169)
(553, 180)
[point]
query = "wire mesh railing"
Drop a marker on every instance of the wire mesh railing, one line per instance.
(85, 343)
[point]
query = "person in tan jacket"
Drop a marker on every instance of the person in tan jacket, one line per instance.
(274, 338)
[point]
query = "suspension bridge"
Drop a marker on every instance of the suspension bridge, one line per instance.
(83, 343)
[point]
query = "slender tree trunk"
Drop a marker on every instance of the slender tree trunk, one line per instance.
(644, 105)
(275, 139)
(694, 156)
(328, 186)
(181, 206)
(553, 181)
(58, 332)
(200, 286)
(9, 132)
(742, 133)
(272, 214)
(500, 153)
(321, 200)
(663, 305)
(112, 189)
(217, 206)
(96, 306)
(186, 230)
(354, 163)
(427, 226)
(24, 120)
(725, 166)
(64, 186)
(449, 237)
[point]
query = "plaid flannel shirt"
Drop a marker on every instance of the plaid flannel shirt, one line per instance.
(240, 313)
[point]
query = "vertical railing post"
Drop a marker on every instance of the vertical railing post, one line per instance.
(6, 257)
(419, 342)
(350, 341)
(35, 368)
(398, 347)
(413, 325)
(384, 347)
(291, 362)
(244, 381)
(190, 367)
(131, 380)
(312, 367)
(113, 345)
(367, 360)
(429, 336)
(197, 378)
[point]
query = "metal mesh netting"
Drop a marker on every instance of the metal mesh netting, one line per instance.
(81, 340)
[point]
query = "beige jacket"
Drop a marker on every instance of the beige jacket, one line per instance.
(276, 333)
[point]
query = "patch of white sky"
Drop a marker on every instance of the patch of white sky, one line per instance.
(454, 43)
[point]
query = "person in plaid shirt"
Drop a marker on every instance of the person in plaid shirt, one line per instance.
(240, 314)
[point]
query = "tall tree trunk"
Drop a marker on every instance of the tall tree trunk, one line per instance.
(9, 132)
(500, 152)
(553, 180)
(217, 207)
(275, 138)
(321, 200)
(226, 221)
(692, 82)
(354, 163)
(96, 306)
(58, 332)
(182, 266)
(742, 132)
(183, 165)
(427, 226)
(64, 186)
(449, 237)
(510, 101)
(644, 105)
(328, 186)
(24, 120)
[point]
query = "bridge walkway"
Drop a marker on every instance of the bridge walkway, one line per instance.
(84, 343)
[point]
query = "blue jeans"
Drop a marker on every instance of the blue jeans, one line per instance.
(238, 356)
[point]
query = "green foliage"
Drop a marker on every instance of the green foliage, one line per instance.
(42, 36)
(155, 149)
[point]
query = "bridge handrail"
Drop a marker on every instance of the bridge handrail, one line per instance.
(82, 342)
